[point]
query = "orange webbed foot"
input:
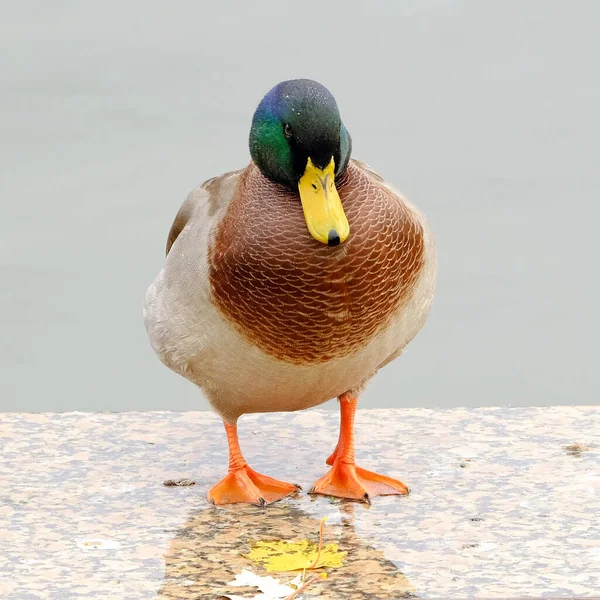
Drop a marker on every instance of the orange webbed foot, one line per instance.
(346, 480)
(244, 485)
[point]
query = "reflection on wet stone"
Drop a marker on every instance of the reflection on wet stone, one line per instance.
(208, 552)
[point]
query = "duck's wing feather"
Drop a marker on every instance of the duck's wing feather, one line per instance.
(210, 196)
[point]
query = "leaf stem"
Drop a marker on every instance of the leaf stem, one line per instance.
(314, 565)
(303, 587)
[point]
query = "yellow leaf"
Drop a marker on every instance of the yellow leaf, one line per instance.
(279, 555)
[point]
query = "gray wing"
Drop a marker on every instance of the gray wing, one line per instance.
(183, 216)
(215, 192)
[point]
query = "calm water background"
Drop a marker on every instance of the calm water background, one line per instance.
(485, 114)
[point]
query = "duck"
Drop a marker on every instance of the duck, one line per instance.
(292, 282)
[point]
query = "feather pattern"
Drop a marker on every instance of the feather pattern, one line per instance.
(263, 317)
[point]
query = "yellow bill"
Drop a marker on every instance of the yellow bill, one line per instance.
(322, 206)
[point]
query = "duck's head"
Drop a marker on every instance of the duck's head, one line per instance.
(298, 140)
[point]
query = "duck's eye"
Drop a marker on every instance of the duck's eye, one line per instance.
(287, 130)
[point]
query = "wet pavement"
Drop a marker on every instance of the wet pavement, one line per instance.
(504, 503)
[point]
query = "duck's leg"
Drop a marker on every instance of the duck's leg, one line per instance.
(243, 484)
(345, 479)
(331, 458)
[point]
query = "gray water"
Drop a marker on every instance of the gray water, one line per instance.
(485, 114)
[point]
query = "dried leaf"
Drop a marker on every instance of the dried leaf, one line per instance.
(270, 588)
(178, 482)
(281, 556)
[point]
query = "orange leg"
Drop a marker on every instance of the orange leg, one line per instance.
(243, 484)
(345, 479)
(331, 458)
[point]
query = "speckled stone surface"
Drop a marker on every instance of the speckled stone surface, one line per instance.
(504, 503)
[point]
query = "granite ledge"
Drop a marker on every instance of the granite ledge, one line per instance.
(504, 503)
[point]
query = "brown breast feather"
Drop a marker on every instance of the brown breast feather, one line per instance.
(298, 299)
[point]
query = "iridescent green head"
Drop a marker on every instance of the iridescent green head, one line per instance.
(297, 139)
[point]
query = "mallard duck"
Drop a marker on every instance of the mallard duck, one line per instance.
(292, 282)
